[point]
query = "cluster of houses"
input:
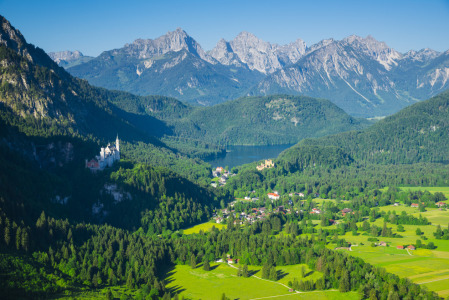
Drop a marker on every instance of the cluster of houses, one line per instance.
(222, 174)
(439, 204)
(228, 260)
(400, 247)
(256, 214)
(409, 247)
(265, 165)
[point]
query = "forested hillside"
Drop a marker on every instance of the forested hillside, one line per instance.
(418, 133)
(270, 120)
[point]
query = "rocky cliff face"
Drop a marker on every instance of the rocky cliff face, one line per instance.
(363, 76)
(258, 55)
(172, 41)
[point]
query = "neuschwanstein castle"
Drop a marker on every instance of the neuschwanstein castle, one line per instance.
(107, 157)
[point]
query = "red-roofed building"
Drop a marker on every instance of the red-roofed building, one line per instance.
(411, 247)
(439, 204)
(315, 211)
(400, 247)
(273, 196)
(92, 164)
(414, 205)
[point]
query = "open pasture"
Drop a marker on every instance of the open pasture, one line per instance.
(204, 227)
(200, 284)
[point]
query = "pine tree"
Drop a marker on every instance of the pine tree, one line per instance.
(384, 230)
(344, 285)
(206, 265)
(25, 240)
(193, 261)
(273, 273)
(245, 272)
(266, 271)
(130, 280)
(18, 237)
(109, 295)
(7, 236)
(41, 222)
(239, 270)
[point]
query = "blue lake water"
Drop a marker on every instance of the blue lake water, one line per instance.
(239, 155)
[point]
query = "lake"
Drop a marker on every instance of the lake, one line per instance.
(239, 155)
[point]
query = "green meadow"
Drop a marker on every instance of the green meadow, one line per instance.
(200, 284)
(422, 266)
(204, 227)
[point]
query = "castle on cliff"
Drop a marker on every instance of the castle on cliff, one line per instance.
(107, 157)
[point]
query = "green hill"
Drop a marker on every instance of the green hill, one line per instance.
(270, 120)
(415, 134)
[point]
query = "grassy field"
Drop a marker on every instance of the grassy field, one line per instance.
(444, 190)
(200, 284)
(423, 266)
(204, 227)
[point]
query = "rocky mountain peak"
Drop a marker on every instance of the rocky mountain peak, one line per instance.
(375, 49)
(246, 41)
(248, 49)
(321, 44)
(176, 40)
(13, 39)
(422, 55)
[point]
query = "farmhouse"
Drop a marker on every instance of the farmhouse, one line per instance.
(383, 244)
(439, 204)
(411, 247)
(273, 196)
(346, 211)
(400, 247)
(315, 211)
(414, 205)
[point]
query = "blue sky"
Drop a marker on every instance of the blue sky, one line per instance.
(94, 26)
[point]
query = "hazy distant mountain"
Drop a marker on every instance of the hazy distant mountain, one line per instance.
(67, 59)
(363, 76)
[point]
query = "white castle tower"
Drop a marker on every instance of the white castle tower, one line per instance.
(108, 155)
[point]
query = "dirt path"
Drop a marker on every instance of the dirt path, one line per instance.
(409, 252)
(350, 247)
(433, 280)
(268, 281)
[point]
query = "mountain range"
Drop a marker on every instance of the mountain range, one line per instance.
(363, 76)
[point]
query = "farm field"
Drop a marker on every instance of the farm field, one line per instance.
(200, 284)
(204, 227)
(422, 266)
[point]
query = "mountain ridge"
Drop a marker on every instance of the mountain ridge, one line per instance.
(365, 77)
